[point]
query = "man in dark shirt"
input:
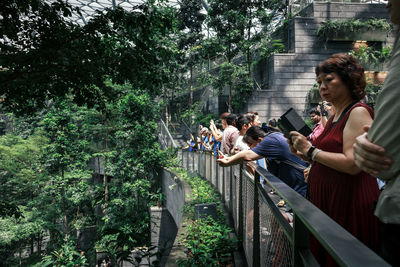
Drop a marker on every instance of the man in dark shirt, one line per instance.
(274, 148)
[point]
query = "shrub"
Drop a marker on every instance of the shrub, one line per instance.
(331, 27)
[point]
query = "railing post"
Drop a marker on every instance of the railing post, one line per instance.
(300, 240)
(223, 185)
(230, 190)
(256, 223)
(205, 164)
(192, 169)
(240, 209)
(211, 163)
(187, 160)
(182, 164)
(216, 176)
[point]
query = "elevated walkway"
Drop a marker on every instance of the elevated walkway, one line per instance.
(269, 237)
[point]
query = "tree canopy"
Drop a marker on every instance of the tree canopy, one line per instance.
(43, 55)
(75, 94)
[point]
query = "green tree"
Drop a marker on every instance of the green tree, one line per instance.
(45, 56)
(65, 161)
(134, 166)
(21, 181)
(239, 27)
(191, 36)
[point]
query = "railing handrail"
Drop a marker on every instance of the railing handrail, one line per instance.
(340, 244)
(168, 134)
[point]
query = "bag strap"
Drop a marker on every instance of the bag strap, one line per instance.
(293, 164)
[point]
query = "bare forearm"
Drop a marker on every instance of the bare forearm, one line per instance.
(324, 120)
(246, 155)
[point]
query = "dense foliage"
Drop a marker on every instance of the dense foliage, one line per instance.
(79, 158)
(44, 55)
(331, 27)
(215, 246)
(240, 26)
(372, 59)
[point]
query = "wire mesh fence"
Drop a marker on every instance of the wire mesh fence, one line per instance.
(268, 238)
(237, 190)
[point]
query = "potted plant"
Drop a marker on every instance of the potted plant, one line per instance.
(354, 29)
(374, 61)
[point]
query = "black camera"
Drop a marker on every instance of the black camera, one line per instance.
(322, 107)
(291, 121)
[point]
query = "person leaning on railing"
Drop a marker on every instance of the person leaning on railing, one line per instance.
(242, 124)
(336, 185)
(230, 134)
(379, 152)
(191, 143)
(274, 148)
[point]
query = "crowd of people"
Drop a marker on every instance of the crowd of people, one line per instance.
(336, 167)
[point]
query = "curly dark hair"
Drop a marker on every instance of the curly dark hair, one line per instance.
(349, 70)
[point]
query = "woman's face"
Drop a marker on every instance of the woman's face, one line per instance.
(331, 87)
(393, 7)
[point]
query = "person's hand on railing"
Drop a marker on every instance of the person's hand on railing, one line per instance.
(222, 160)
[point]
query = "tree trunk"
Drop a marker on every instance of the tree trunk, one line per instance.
(166, 107)
(191, 87)
(32, 243)
(39, 247)
(64, 205)
(230, 90)
(20, 256)
(105, 181)
(230, 110)
(248, 54)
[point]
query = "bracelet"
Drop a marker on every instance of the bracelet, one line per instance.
(310, 151)
(315, 154)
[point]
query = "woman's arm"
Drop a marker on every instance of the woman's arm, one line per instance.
(217, 135)
(343, 162)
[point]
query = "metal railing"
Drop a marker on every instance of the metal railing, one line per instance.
(164, 137)
(268, 238)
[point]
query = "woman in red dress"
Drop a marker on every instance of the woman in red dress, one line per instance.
(336, 184)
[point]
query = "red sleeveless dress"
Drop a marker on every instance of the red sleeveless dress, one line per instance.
(347, 199)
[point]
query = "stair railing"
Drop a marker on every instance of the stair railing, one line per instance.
(165, 137)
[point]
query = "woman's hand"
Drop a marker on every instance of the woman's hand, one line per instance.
(222, 159)
(300, 142)
(368, 156)
(223, 162)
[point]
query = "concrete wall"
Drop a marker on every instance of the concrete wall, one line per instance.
(166, 220)
(174, 193)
